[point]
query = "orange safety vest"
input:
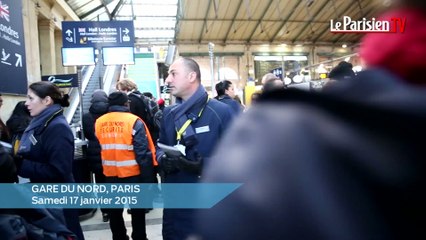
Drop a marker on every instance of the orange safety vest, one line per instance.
(114, 132)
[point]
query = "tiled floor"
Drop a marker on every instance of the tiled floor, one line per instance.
(95, 229)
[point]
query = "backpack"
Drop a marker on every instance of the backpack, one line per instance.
(150, 109)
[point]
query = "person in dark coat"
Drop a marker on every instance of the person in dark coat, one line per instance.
(17, 123)
(137, 107)
(226, 93)
(7, 167)
(98, 108)
(35, 219)
(128, 156)
(4, 131)
(342, 71)
(209, 119)
(46, 151)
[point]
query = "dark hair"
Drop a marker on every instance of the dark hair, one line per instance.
(20, 109)
(273, 85)
(222, 86)
(44, 88)
(192, 65)
(19, 120)
(255, 96)
(342, 71)
(148, 94)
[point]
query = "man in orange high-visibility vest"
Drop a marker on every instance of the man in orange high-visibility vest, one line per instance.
(128, 156)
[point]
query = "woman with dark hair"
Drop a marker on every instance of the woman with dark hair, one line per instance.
(17, 123)
(226, 93)
(46, 151)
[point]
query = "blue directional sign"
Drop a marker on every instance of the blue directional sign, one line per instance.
(97, 34)
(12, 48)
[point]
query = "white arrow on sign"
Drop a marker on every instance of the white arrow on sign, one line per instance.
(18, 60)
(126, 31)
(68, 32)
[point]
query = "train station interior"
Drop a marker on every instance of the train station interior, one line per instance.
(235, 40)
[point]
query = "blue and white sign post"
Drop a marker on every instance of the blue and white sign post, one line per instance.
(80, 35)
(98, 34)
(12, 48)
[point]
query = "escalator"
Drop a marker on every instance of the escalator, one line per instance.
(102, 77)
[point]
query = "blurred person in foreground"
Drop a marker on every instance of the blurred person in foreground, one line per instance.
(348, 163)
(194, 124)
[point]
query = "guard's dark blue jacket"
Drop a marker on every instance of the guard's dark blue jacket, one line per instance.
(200, 138)
(214, 119)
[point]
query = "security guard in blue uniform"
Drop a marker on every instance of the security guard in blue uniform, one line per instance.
(194, 124)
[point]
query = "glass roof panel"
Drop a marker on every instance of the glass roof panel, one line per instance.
(112, 5)
(152, 22)
(155, 34)
(156, 2)
(155, 10)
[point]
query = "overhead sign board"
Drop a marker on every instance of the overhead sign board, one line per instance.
(12, 48)
(62, 81)
(81, 56)
(118, 55)
(97, 34)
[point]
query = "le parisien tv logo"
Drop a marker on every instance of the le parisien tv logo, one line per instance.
(347, 25)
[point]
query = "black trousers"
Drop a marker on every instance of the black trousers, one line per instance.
(100, 178)
(73, 222)
(118, 228)
(116, 221)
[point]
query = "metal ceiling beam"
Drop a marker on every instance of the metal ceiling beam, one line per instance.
(312, 17)
(91, 11)
(106, 10)
(115, 10)
(238, 19)
(327, 28)
(233, 21)
(341, 35)
(179, 17)
(285, 21)
(242, 42)
(260, 20)
(82, 6)
(205, 21)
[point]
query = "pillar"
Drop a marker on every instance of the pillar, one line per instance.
(47, 46)
(60, 69)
